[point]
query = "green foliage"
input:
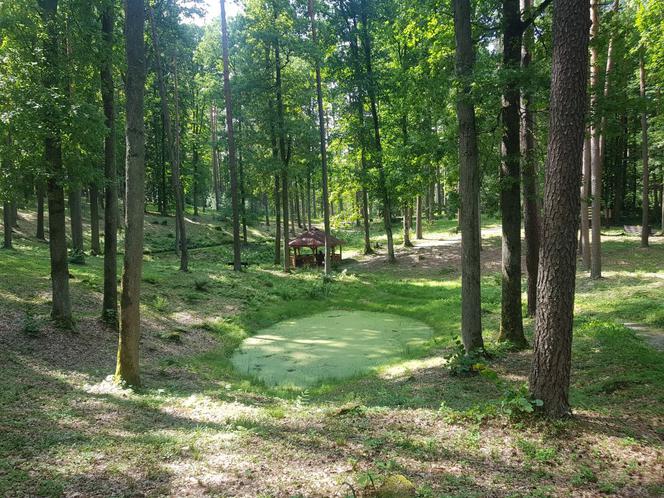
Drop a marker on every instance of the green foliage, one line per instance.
(462, 363)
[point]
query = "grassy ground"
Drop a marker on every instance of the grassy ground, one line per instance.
(198, 427)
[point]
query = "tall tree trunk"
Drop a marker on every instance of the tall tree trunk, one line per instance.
(110, 300)
(243, 200)
(373, 100)
(13, 210)
(277, 221)
(163, 193)
(7, 223)
(595, 147)
(621, 173)
(323, 143)
(511, 320)
(284, 151)
(406, 225)
(645, 203)
(296, 200)
(266, 208)
(550, 373)
(95, 245)
(531, 220)
(76, 219)
(418, 218)
(176, 177)
(40, 211)
(127, 370)
(230, 136)
(585, 213)
(173, 145)
(469, 182)
(61, 304)
(216, 180)
(309, 199)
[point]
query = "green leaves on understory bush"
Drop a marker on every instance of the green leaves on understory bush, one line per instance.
(463, 364)
(514, 402)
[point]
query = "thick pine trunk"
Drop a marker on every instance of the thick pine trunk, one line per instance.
(61, 304)
(127, 370)
(550, 373)
(110, 300)
(469, 182)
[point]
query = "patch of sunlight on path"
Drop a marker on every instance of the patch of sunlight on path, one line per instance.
(330, 345)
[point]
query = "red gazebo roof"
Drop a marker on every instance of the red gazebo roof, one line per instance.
(314, 238)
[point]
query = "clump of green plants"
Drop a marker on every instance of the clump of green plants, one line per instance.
(463, 364)
(515, 401)
(202, 285)
(77, 258)
(160, 303)
(31, 325)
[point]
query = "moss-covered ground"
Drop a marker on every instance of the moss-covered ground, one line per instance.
(198, 426)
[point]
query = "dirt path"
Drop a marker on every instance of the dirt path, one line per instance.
(438, 253)
(654, 337)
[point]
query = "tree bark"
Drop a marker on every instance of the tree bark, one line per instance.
(61, 304)
(645, 202)
(511, 320)
(406, 226)
(284, 152)
(230, 136)
(277, 221)
(7, 223)
(216, 180)
(550, 372)
(243, 200)
(76, 219)
(531, 216)
(471, 313)
(110, 300)
(418, 218)
(323, 143)
(40, 211)
(127, 369)
(95, 245)
(585, 213)
(373, 100)
(596, 162)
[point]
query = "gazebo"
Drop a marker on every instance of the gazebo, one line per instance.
(313, 239)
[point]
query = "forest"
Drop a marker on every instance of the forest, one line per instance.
(331, 248)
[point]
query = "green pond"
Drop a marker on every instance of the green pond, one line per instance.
(330, 345)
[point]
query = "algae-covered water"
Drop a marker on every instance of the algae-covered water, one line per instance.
(330, 345)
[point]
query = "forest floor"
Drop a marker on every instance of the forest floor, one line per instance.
(197, 427)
